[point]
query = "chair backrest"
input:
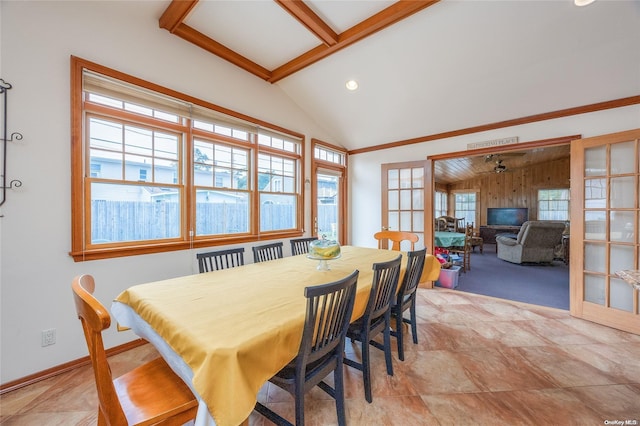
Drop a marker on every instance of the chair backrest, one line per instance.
(411, 279)
(396, 237)
(301, 245)
(329, 309)
(221, 259)
(267, 252)
(440, 223)
(383, 289)
(468, 235)
(450, 223)
(95, 318)
(541, 234)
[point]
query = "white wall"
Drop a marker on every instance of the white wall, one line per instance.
(37, 40)
(364, 169)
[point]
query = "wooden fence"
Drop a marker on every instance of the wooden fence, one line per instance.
(136, 221)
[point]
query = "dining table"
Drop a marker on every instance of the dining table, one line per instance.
(226, 332)
(447, 239)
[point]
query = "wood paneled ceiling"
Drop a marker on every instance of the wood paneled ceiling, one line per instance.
(473, 167)
(176, 19)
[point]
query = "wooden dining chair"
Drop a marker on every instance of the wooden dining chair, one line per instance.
(267, 252)
(440, 223)
(301, 245)
(406, 299)
(476, 239)
(329, 309)
(465, 250)
(450, 223)
(375, 320)
(396, 237)
(221, 259)
(149, 394)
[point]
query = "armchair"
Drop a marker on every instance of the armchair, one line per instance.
(535, 243)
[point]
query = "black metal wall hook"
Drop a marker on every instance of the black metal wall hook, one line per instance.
(4, 85)
(15, 183)
(15, 136)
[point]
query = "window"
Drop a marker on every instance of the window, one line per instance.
(553, 204)
(95, 169)
(440, 204)
(329, 191)
(465, 206)
(162, 171)
(329, 155)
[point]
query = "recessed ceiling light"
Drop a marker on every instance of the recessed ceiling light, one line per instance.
(351, 85)
(582, 2)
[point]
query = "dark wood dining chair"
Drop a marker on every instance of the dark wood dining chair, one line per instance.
(149, 394)
(301, 245)
(266, 252)
(375, 320)
(396, 238)
(329, 309)
(406, 299)
(221, 259)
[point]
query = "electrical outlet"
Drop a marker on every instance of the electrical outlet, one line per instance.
(48, 337)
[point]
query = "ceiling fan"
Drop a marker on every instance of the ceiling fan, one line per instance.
(499, 167)
(496, 157)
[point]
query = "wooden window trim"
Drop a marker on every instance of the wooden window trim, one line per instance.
(321, 164)
(80, 202)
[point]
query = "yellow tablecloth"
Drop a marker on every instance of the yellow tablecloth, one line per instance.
(236, 328)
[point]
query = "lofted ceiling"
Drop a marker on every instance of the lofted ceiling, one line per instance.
(423, 67)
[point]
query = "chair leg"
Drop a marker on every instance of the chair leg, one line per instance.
(366, 369)
(414, 325)
(387, 343)
(102, 421)
(338, 386)
(299, 396)
(400, 335)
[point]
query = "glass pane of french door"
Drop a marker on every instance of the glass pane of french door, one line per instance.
(403, 199)
(328, 199)
(606, 240)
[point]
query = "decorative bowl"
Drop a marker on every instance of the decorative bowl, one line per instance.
(324, 249)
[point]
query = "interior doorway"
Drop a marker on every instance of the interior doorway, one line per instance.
(495, 175)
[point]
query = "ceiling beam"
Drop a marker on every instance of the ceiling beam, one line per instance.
(176, 13)
(178, 10)
(389, 16)
(186, 32)
(307, 17)
(599, 106)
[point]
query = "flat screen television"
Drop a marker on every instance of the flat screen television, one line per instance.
(507, 216)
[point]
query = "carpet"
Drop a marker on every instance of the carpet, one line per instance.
(544, 284)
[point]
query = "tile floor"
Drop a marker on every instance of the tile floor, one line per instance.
(479, 361)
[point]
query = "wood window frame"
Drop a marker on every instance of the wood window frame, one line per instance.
(80, 199)
(317, 164)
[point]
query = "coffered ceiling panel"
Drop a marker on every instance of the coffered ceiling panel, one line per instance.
(342, 15)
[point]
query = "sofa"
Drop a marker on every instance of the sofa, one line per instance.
(535, 243)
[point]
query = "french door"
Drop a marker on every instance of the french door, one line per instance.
(329, 204)
(605, 228)
(404, 201)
